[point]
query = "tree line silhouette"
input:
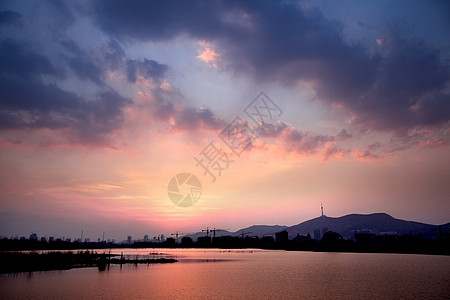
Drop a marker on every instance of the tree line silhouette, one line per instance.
(331, 241)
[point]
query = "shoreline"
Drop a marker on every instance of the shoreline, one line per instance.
(25, 262)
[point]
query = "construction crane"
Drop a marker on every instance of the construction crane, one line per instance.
(244, 233)
(176, 234)
(214, 231)
(207, 231)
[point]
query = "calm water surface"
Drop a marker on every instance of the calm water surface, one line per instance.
(244, 274)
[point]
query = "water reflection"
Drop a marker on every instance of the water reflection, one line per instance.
(244, 274)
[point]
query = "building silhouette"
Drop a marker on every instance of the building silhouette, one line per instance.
(282, 237)
(186, 241)
(170, 242)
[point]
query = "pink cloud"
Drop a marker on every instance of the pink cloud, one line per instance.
(178, 116)
(365, 155)
(293, 140)
(208, 54)
(334, 151)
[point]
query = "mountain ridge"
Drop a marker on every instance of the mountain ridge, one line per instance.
(374, 223)
(346, 226)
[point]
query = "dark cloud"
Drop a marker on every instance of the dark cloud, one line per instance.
(367, 155)
(146, 68)
(114, 54)
(111, 56)
(28, 102)
(395, 88)
(10, 18)
(83, 63)
(271, 129)
(304, 142)
(163, 20)
(343, 135)
(183, 118)
(297, 141)
(190, 119)
(418, 139)
(19, 60)
(409, 90)
(86, 69)
(101, 117)
(60, 13)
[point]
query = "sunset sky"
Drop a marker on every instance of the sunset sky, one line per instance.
(103, 102)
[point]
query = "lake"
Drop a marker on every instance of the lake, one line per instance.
(244, 274)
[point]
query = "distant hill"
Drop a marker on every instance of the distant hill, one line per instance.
(255, 230)
(261, 230)
(346, 225)
(195, 236)
(375, 223)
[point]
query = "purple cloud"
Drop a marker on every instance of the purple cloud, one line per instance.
(394, 89)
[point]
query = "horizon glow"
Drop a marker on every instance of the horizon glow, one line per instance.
(102, 103)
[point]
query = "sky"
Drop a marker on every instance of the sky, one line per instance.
(273, 106)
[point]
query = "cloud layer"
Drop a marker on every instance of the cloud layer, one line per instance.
(398, 84)
(395, 86)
